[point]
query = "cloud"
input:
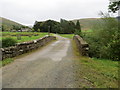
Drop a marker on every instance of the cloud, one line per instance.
(27, 11)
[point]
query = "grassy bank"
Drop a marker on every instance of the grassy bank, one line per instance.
(100, 73)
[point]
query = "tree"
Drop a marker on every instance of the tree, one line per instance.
(4, 28)
(63, 27)
(67, 27)
(78, 28)
(16, 27)
(36, 26)
(104, 41)
(78, 25)
(114, 6)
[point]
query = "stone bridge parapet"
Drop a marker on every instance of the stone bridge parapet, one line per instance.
(21, 48)
(81, 45)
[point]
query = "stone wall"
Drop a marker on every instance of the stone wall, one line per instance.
(25, 47)
(81, 45)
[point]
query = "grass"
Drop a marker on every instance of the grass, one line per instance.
(70, 36)
(6, 61)
(67, 35)
(31, 36)
(101, 73)
(87, 31)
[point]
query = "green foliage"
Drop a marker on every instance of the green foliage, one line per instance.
(101, 73)
(64, 27)
(78, 29)
(104, 41)
(67, 27)
(77, 32)
(78, 25)
(8, 42)
(4, 28)
(114, 6)
(38, 30)
(16, 27)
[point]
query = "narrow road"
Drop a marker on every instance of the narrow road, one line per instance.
(50, 67)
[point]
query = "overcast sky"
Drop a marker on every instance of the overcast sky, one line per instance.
(28, 11)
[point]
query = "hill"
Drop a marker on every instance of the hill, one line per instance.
(87, 23)
(8, 24)
(118, 18)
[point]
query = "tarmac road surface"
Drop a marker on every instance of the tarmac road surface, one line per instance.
(49, 67)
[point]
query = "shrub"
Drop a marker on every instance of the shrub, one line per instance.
(77, 32)
(104, 41)
(6, 42)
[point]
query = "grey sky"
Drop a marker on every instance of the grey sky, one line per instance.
(27, 11)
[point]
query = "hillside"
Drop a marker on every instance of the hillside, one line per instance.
(8, 24)
(87, 23)
(118, 18)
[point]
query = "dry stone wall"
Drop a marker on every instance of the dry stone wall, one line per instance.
(25, 47)
(81, 45)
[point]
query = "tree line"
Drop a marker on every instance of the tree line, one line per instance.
(62, 27)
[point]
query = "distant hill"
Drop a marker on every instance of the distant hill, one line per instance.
(118, 18)
(8, 24)
(87, 23)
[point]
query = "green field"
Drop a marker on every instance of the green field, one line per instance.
(67, 35)
(87, 31)
(25, 36)
(70, 36)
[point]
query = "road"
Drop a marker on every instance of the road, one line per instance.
(49, 67)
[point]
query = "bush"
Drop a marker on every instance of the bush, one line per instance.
(104, 42)
(8, 42)
(77, 32)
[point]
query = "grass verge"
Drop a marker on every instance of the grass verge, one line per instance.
(6, 61)
(101, 73)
